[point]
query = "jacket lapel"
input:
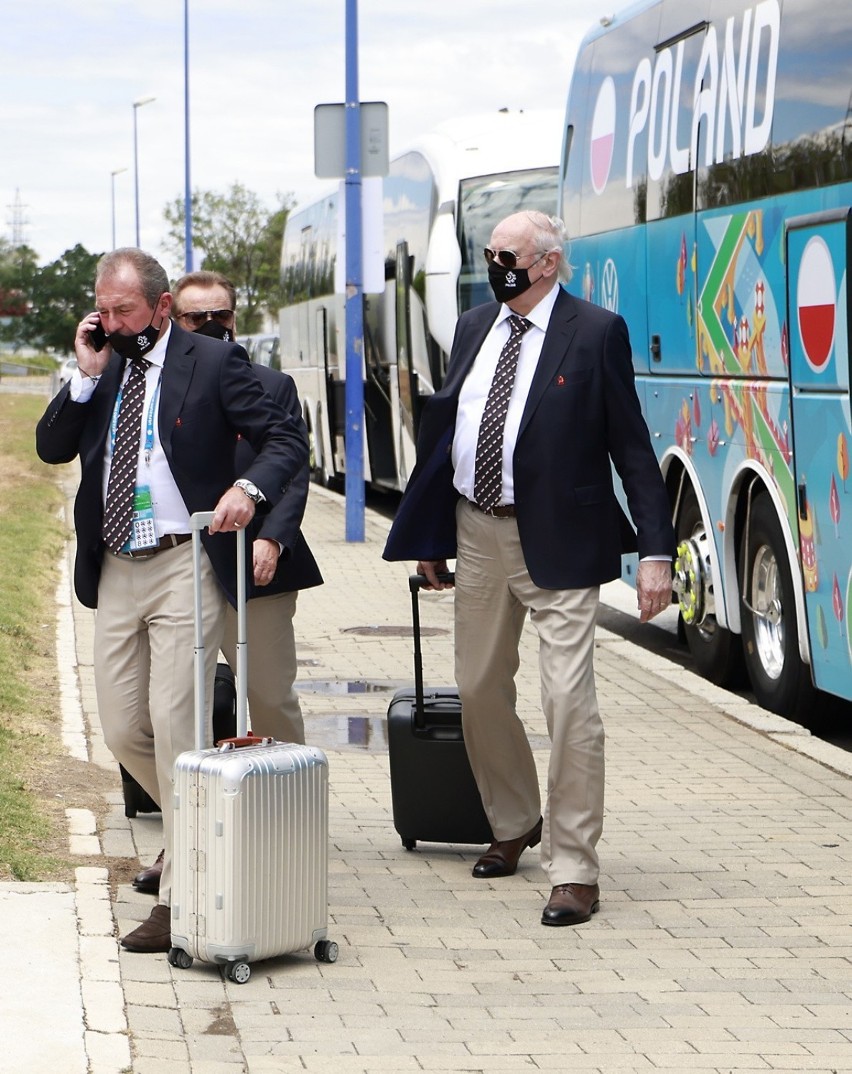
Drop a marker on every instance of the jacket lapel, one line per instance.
(178, 367)
(557, 341)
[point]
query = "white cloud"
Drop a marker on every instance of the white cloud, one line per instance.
(70, 73)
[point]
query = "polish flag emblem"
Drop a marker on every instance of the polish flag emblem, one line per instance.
(603, 135)
(816, 298)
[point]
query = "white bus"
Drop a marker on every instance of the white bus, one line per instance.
(441, 199)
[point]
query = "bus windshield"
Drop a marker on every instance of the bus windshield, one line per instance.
(483, 202)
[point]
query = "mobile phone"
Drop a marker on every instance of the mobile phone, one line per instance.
(98, 336)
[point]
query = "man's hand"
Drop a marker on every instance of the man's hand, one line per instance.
(265, 554)
(90, 362)
(233, 512)
(653, 587)
(430, 569)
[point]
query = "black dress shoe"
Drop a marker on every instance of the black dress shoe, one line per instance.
(148, 881)
(571, 904)
(153, 935)
(501, 858)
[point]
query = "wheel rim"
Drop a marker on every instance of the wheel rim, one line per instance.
(768, 612)
(693, 583)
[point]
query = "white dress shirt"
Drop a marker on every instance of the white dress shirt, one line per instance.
(474, 393)
(170, 512)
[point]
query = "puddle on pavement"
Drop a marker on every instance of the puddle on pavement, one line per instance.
(342, 732)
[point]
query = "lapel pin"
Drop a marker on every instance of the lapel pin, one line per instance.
(560, 380)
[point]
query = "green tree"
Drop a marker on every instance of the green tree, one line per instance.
(240, 237)
(18, 269)
(61, 293)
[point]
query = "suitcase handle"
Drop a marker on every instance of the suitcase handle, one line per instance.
(198, 521)
(240, 741)
(416, 582)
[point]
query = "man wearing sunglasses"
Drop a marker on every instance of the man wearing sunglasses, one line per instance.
(205, 303)
(513, 479)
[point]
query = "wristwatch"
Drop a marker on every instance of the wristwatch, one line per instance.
(250, 489)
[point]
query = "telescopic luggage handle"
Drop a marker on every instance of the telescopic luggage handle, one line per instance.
(416, 582)
(199, 521)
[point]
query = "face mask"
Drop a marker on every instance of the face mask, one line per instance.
(508, 283)
(216, 331)
(136, 344)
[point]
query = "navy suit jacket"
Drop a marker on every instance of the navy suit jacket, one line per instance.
(297, 568)
(209, 394)
(582, 413)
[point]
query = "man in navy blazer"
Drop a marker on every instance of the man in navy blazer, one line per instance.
(205, 302)
(553, 535)
(200, 394)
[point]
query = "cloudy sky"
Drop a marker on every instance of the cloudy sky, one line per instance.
(70, 71)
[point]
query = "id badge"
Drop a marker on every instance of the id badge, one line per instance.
(143, 532)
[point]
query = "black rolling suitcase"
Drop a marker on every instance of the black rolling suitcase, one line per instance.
(136, 799)
(435, 798)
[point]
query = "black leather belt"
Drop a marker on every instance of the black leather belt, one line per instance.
(503, 510)
(168, 540)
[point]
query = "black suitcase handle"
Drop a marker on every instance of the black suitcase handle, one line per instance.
(416, 582)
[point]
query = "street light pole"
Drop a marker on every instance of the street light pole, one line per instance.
(136, 106)
(187, 190)
(113, 174)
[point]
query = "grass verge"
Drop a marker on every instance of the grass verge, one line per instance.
(32, 531)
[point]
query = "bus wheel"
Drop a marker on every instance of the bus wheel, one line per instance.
(781, 682)
(715, 651)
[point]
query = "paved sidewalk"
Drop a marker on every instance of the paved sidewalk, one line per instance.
(724, 940)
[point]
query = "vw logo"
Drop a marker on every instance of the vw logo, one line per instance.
(609, 287)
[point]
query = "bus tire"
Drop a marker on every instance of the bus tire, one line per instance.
(779, 679)
(716, 652)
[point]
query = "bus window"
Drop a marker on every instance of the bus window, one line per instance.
(812, 122)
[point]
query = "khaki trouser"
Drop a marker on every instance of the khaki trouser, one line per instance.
(494, 592)
(143, 661)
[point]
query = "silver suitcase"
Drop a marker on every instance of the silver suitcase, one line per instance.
(250, 873)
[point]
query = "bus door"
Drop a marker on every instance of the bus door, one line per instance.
(818, 251)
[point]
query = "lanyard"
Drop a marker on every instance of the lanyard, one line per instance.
(149, 421)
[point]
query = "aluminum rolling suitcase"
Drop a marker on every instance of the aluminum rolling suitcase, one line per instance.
(250, 873)
(434, 794)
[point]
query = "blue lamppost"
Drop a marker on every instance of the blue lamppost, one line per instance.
(187, 188)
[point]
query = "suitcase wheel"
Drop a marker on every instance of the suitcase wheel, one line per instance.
(180, 958)
(238, 972)
(409, 844)
(326, 951)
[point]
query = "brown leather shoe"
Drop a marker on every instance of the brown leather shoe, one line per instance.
(153, 935)
(501, 858)
(148, 881)
(571, 904)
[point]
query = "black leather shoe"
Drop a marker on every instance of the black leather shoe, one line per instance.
(148, 881)
(501, 858)
(571, 904)
(153, 935)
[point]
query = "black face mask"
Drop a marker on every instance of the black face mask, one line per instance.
(216, 331)
(135, 344)
(508, 283)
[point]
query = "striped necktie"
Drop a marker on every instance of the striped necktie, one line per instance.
(488, 466)
(118, 512)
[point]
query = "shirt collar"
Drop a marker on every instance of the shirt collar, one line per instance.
(157, 355)
(539, 315)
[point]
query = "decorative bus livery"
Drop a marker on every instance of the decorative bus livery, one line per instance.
(705, 184)
(439, 204)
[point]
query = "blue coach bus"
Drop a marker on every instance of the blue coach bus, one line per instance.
(705, 184)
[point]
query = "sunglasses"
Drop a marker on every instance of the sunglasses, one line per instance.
(199, 317)
(508, 258)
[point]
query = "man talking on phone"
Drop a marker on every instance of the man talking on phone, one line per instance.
(153, 413)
